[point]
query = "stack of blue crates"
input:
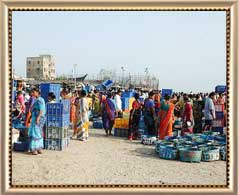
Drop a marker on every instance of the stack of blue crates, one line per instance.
(125, 103)
(58, 122)
(167, 91)
(220, 89)
(46, 88)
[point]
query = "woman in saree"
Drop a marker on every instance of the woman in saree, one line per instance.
(77, 120)
(28, 109)
(166, 118)
(81, 124)
(188, 120)
(134, 118)
(38, 119)
(108, 110)
(149, 114)
(73, 109)
(197, 113)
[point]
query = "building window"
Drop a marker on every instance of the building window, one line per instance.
(44, 69)
(38, 62)
(29, 69)
(29, 62)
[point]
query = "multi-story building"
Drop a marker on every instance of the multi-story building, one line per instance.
(41, 68)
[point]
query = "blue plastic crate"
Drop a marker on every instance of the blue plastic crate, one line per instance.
(58, 108)
(107, 84)
(219, 115)
(56, 132)
(119, 132)
(49, 87)
(58, 121)
(56, 144)
(21, 146)
(220, 89)
(167, 91)
(98, 124)
(128, 94)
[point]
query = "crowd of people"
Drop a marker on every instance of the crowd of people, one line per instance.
(160, 113)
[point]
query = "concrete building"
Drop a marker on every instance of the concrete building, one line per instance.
(41, 68)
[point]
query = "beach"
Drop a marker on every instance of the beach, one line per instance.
(111, 160)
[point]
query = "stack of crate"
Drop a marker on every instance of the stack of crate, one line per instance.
(125, 103)
(127, 98)
(121, 127)
(57, 128)
(218, 123)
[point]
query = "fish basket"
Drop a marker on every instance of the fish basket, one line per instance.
(220, 138)
(190, 155)
(149, 140)
(212, 154)
(223, 153)
(162, 143)
(168, 152)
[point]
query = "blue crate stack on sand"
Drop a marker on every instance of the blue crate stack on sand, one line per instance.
(57, 126)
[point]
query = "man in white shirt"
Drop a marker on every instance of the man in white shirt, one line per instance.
(209, 112)
(118, 103)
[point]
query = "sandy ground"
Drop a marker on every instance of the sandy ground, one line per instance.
(111, 160)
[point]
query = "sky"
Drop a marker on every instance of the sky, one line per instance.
(186, 51)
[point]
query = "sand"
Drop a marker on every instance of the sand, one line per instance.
(111, 160)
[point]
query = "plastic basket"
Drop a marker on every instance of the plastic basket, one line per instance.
(98, 124)
(212, 154)
(128, 94)
(58, 108)
(56, 132)
(190, 155)
(120, 132)
(20, 146)
(168, 152)
(56, 144)
(58, 121)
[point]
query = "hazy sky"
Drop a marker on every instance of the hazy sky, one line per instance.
(185, 50)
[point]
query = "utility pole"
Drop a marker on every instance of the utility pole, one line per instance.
(75, 74)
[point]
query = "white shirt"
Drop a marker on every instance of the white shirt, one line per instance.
(118, 103)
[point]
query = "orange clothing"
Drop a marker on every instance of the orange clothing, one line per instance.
(166, 118)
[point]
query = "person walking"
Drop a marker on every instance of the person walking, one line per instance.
(134, 118)
(209, 112)
(108, 113)
(166, 118)
(149, 114)
(197, 113)
(188, 120)
(35, 131)
(118, 103)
